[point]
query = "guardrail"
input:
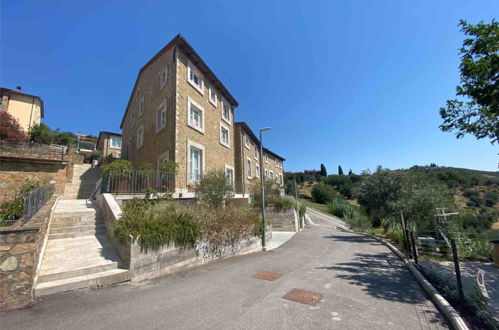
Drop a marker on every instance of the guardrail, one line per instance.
(140, 181)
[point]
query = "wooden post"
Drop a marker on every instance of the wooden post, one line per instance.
(414, 248)
(457, 269)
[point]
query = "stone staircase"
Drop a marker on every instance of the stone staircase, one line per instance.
(83, 184)
(78, 254)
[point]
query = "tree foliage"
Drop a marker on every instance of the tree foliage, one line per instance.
(340, 170)
(10, 130)
(476, 110)
(323, 170)
(214, 189)
(322, 193)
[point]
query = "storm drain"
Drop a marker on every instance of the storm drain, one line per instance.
(303, 297)
(268, 276)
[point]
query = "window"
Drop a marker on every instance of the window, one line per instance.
(224, 135)
(266, 174)
(276, 162)
(196, 116)
(213, 96)
(246, 142)
(161, 117)
(249, 168)
(140, 137)
(229, 173)
(280, 179)
(132, 120)
(226, 111)
(115, 142)
(195, 79)
(195, 161)
(141, 106)
(266, 159)
(163, 78)
(271, 176)
(256, 152)
(257, 170)
(118, 155)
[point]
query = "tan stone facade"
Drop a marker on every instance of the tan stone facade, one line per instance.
(26, 108)
(170, 136)
(109, 144)
(180, 111)
(247, 160)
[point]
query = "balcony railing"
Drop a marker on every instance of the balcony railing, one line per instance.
(32, 150)
(141, 181)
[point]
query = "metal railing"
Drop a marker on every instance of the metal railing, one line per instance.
(34, 200)
(32, 150)
(24, 207)
(140, 181)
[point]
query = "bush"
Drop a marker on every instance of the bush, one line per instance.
(273, 196)
(12, 209)
(214, 189)
(117, 165)
(10, 130)
(169, 166)
(322, 193)
(223, 227)
(157, 225)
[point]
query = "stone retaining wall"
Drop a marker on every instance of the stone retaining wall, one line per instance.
(20, 253)
(282, 220)
(147, 265)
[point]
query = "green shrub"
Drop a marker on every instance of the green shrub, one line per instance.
(117, 165)
(342, 209)
(169, 166)
(214, 189)
(273, 196)
(13, 209)
(156, 225)
(302, 210)
(281, 203)
(322, 193)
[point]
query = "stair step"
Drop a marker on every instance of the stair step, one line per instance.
(77, 229)
(86, 281)
(77, 234)
(63, 223)
(49, 277)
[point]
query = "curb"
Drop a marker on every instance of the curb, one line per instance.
(446, 308)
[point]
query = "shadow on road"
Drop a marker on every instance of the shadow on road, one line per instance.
(379, 273)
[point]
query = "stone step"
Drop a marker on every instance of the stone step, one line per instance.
(72, 218)
(86, 281)
(49, 277)
(77, 234)
(78, 222)
(77, 229)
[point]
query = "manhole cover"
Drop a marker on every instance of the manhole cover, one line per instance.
(303, 297)
(268, 276)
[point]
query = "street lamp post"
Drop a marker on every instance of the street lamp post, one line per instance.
(262, 186)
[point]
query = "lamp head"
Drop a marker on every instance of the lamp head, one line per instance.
(265, 129)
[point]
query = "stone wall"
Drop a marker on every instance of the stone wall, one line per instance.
(14, 170)
(147, 265)
(282, 220)
(20, 253)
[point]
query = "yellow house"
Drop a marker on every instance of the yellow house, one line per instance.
(26, 108)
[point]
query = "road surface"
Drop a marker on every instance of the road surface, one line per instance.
(364, 286)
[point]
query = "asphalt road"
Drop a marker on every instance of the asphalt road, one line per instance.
(364, 286)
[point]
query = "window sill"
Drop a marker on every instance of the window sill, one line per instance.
(197, 129)
(225, 145)
(226, 120)
(213, 103)
(196, 87)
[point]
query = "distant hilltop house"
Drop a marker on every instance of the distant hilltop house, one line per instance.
(26, 108)
(179, 110)
(109, 144)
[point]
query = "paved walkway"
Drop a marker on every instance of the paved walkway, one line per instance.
(364, 286)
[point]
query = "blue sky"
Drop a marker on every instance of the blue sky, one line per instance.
(351, 83)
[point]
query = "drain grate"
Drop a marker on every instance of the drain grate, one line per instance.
(303, 297)
(268, 276)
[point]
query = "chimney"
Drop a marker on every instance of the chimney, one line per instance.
(18, 88)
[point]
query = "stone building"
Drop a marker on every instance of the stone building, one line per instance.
(26, 108)
(109, 144)
(179, 110)
(247, 160)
